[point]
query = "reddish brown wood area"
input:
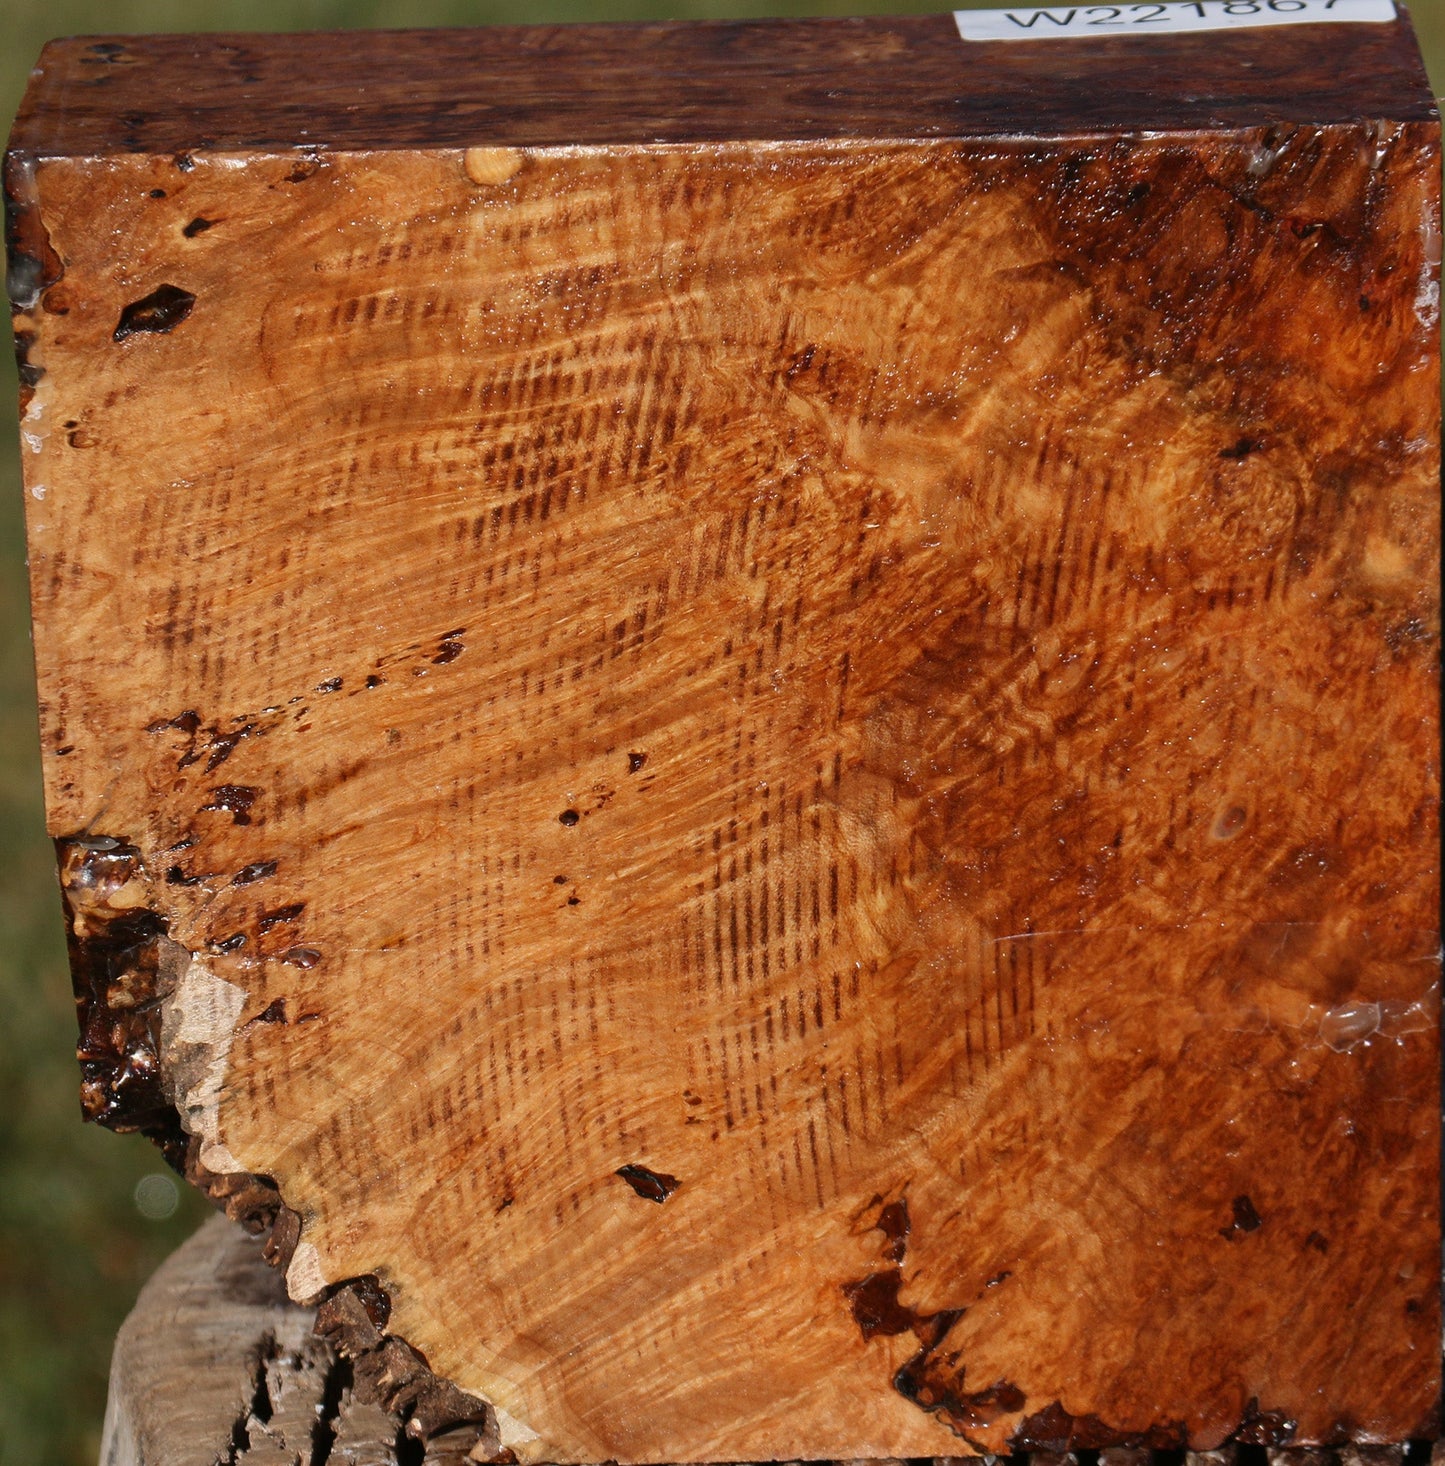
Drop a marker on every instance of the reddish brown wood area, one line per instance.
(783, 788)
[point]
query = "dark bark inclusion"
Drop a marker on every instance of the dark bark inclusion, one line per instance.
(933, 1378)
(650, 1185)
(157, 313)
(32, 267)
(124, 966)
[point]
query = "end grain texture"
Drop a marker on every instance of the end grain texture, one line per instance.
(748, 713)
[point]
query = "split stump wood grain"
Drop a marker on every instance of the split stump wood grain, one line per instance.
(741, 718)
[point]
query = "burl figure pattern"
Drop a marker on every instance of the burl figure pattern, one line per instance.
(781, 782)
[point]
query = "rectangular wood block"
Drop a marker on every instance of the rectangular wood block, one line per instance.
(745, 715)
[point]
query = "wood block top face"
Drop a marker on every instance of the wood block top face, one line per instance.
(903, 77)
(786, 789)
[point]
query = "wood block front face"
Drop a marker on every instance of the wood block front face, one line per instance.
(789, 786)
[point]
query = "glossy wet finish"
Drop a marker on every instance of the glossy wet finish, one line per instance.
(793, 782)
(900, 77)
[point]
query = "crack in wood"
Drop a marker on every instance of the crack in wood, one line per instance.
(323, 1433)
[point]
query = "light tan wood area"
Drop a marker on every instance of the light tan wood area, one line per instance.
(790, 787)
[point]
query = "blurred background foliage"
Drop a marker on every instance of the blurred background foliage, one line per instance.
(85, 1216)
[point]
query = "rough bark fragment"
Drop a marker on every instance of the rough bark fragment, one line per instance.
(216, 1364)
(389, 1373)
(124, 967)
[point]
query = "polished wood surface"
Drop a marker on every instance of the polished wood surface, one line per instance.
(899, 77)
(784, 790)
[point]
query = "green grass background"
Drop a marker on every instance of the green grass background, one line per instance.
(74, 1245)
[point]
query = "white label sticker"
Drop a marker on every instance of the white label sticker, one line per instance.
(1078, 21)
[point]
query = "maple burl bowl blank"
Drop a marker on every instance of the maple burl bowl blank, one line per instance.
(741, 719)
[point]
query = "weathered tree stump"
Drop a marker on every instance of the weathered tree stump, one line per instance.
(741, 719)
(216, 1364)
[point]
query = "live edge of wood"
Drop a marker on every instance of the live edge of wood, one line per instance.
(741, 719)
(215, 1363)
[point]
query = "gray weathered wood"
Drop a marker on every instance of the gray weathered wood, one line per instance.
(215, 1364)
